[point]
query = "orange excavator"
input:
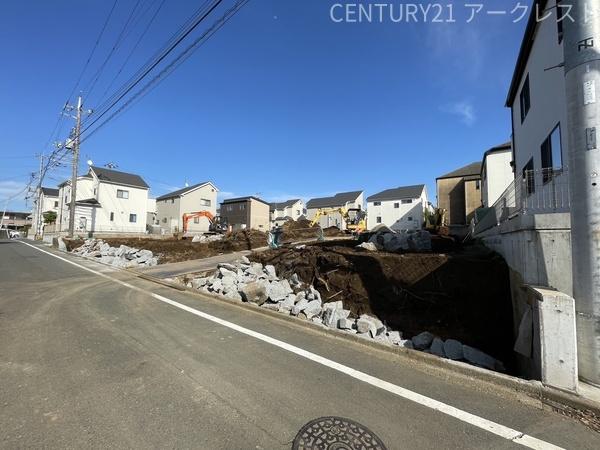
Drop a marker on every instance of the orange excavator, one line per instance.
(217, 224)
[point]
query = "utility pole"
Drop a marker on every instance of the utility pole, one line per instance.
(75, 164)
(38, 204)
(582, 79)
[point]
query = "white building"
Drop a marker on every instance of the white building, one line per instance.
(288, 210)
(107, 201)
(537, 99)
(171, 207)
(353, 199)
(48, 201)
(496, 173)
(400, 208)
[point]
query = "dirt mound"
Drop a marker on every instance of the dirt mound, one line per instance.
(173, 250)
(294, 230)
(464, 295)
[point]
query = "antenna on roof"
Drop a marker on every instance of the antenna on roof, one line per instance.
(111, 165)
(90, 162)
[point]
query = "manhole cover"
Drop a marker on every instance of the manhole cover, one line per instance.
(336, 433)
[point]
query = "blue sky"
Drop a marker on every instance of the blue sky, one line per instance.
(282, 102)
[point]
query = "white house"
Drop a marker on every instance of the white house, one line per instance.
(400, 208)
(48, 202)
(288, 210)
(353, 199)
(537, 99)
(107, 201)
(171, 207)
(496, 173)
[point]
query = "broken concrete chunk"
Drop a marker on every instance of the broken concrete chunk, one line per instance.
(288, 303)
(313, 308)
(255, 292)
(217, 285)
(255, 269)
(277, 291)
(299, 306)
(479, 358)
(244, 260)
(225, 272)
(271, 306)
(199, 282)
(453, 349)
(346, 324)
(406, 343)
(369, 246)
(270, 272)
(423, 340)
(437, 347)
(395, 337)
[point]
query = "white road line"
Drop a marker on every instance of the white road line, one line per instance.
(479, 422)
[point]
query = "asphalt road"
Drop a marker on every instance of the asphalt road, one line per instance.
(87, 362)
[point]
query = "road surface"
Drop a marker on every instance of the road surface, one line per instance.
(92, 357)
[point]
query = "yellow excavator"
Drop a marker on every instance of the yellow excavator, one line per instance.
(355, 218)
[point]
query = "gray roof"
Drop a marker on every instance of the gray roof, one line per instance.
(398, 193)
(50, 192)
(113, 176)
(338, 199)
(243, 199)
(470, 169)
(180, 192)
(282, 205)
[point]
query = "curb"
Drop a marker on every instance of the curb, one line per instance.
(564, 402)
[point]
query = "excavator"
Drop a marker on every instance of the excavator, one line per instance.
(217, 223)
(355, 219)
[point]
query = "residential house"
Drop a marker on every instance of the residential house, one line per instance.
(15, 220)
(496, 173)
(151, 216)
(107, 201)
(537, 100)
(171, 207)
(246, 213)
(459, 193)
(288, 210)
(353, 199)
(48, 202)
(400, 208)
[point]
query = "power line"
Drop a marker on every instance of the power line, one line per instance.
(100, 70)
(154, 64)
(133, 49)
(180, 59)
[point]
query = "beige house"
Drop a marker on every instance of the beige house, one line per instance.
(459, 193)
(48, 202)
(171, 207)
(246, 212)
(348, 200)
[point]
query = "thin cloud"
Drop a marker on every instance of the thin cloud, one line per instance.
(464, 110)
(9, 189)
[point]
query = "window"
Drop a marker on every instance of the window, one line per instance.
(376, 203)
(122, 194)
(133, 218)
(164, 220)
(406, 201)
(56, 204)
(196, 219)
(204, 202)
(112, 216)
(525, 100)
(297, 212)
(94, 191)
(551, 154)
(242, 206)
(396, 205)
(172, 200)
(229, 207)
(378, 219)
(409, 218)
(477, 185)
(528, 177)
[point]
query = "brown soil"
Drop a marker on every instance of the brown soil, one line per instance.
(294, 230)
(463, 295)
(173, 250)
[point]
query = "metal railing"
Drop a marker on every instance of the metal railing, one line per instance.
(534, 192)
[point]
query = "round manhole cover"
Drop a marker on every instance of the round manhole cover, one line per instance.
(336, 433)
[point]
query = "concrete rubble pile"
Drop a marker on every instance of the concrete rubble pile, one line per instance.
(251, 282)
(207, 237)
(386, 239)
(123, 256)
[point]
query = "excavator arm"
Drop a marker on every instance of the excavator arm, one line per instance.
(192, 215)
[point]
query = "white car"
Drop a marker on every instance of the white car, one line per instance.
(14, 234)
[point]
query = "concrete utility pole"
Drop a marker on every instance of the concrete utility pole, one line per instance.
(75, 165)
(582, 77)
(39, 207)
